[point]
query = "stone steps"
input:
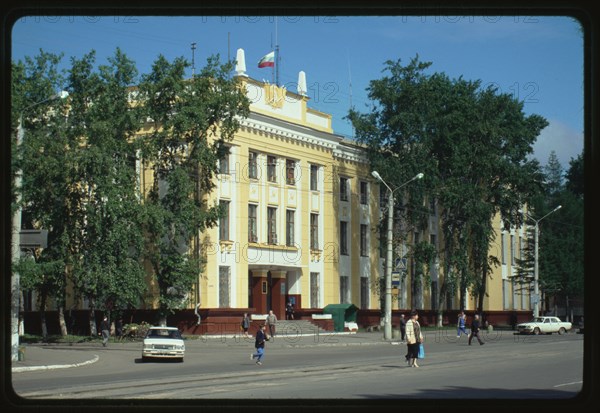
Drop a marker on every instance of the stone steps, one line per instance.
(297, 327)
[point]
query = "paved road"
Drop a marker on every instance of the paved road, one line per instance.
(341, 367)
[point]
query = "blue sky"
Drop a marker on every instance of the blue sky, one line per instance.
(539, 59)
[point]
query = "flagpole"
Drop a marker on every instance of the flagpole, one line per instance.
(276, 55)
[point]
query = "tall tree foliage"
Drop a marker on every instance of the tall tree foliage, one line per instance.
(190, 121)
(107, 243)
(44, 167)
(472, 145)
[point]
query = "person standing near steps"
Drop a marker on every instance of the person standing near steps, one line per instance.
(270, 321)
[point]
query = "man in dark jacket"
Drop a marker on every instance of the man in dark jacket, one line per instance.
(105, 329)
(475, 325)
(402, 328)
(259, 344)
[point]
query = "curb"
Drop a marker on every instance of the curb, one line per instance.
(55, 366)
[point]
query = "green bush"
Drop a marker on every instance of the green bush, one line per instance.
(135, 331)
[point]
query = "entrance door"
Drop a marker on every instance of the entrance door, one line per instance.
(269, 292)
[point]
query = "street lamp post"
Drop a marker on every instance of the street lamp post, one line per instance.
(536, 287)
(387, 330)
(16, 234)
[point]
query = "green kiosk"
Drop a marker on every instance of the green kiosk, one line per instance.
(341, 313)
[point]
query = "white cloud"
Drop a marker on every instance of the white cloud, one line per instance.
(560, 138)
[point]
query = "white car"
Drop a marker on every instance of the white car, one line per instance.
(544, 325)
(163, 342)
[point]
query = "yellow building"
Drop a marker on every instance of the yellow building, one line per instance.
(300, 215)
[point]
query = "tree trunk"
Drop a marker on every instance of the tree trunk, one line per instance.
(481, 295)
(61, 321)
(162, 320)
(43, 315)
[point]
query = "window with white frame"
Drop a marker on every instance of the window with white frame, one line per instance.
(224, 286)
(343, 238)
(252, 223)
(344, 290)
(364, 192)
(272, 225)
(343, 189)
(289, 226)
(290, 172)
(364, 245)
(315, 301)
(314, 177)
(224, 221)
(314, 231)
(224, 163)
(253, 165)
(271, 168)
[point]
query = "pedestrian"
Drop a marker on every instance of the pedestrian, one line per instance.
(270, 321)
(119, 327)
(414, 338)
(259, 344)
(475, 325)
(461, 325)
(245, 325)
(402, 328)
(289, 311)
(105, 330)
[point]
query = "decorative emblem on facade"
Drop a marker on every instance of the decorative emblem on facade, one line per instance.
(274, 95)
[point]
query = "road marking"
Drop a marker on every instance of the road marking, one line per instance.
(569, 384)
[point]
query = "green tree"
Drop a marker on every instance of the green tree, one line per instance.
(561, 249)
(189, 121)
(106, 217)
(472, 145)
(43, 163)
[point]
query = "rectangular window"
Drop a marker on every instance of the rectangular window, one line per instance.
(314, 177)
(520, 248)
(224, 221)
(382, 241)
(224, 287)
(253, 165)
(224, 163)
(271, 168)
(506, 294)
(434, 295)
(315, 302)
(432, 206)
(252, 223)
(364, 293)
(343, 189)
(344, 290)
(272, 225)
(364, 250)
(433, 240)
(383, 197)
(364, 192)
(289, 227)
(513, 250)
(290, 172)
(503, 248)
(314, 231)
(343, 238)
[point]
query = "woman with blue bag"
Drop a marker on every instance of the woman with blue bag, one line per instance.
(414, 338)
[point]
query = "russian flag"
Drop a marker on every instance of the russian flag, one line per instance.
(267, 61)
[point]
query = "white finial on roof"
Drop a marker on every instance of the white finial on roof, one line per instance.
(240, 65)
(302, 83)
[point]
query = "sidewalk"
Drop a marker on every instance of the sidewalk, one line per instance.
(60, 356)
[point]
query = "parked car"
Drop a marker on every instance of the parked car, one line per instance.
(544, 325)
(163, 342)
